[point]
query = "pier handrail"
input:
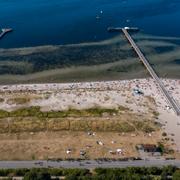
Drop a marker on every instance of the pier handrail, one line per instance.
(169, 98)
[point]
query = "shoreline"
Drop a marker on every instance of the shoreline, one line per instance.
(84, 82)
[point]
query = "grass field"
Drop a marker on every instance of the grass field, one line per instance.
(94, 119)
(53, 145)
(44, 135)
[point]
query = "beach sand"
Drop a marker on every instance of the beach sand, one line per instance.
(105, 94)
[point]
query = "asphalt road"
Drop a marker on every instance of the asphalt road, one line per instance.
(87, 164)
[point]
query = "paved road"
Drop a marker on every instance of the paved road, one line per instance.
(170, 99)
(87, 164)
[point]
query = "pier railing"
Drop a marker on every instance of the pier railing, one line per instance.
(170, 99)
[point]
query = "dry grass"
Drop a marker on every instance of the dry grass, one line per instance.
(31, 133)
(121, 123)
(39, 137)
(43, 145)
(18, 100)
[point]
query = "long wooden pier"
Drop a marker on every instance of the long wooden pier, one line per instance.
(4, 31)
(170, 99)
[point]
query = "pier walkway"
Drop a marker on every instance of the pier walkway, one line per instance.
(171, 101)
(4, 31)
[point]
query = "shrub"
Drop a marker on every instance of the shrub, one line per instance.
(37, 174)
(164, 134)
(161, 148)
(76, 172)
(176, 175)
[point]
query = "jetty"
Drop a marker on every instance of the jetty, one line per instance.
(119, 29)
(5, 31)
(171, 101)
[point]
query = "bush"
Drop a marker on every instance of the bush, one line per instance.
(161, 148)
(164, 134)
(169, 170)
(176, 175)
(55, 172)
(37, 174)
(5, 172)
(76, 172)
(135, 173)
(32, 175)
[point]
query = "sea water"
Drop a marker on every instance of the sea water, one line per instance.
(43, 22)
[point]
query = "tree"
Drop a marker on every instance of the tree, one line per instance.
(176, 175)
(31, 175)
(36, 174)
(44, 176)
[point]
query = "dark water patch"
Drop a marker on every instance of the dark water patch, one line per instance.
(171, 40)
(163, 49)
(177, 42)
(64, 57)
(177, 61)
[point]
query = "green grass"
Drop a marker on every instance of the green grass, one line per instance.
(34, 124)
(36, 112)
(144, 126)
(93, 119)
(156, 114)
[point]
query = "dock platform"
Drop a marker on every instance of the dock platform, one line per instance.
(5, 31)
(119, 29)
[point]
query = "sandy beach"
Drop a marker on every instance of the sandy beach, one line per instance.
(85, 95)
(132, 94)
